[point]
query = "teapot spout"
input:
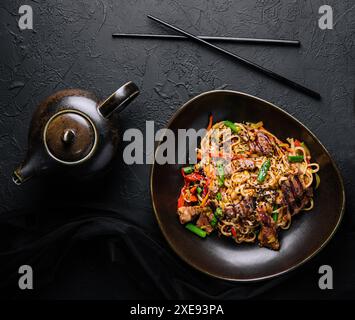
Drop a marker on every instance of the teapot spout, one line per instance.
(25, 171)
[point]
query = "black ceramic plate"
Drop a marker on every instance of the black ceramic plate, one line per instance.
(222, 258)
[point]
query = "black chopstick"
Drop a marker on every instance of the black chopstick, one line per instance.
(282, 42)
(251, 64)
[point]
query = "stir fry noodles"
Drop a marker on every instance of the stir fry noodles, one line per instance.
(247, 184)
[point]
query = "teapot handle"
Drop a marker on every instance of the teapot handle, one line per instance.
(119, 100)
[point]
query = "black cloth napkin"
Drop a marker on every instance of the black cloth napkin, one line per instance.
(83, 253)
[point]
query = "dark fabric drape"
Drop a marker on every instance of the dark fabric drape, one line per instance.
(97, 254)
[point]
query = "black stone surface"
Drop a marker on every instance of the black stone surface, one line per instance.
(71, 47)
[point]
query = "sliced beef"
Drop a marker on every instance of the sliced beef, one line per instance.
(268, 232)
(288, 195)
(186, 214)
(262, 144)
(296, 186)
(244, 209)
(204, 221)
(229, 212)
(264, 219)
(295, 197)
(268, 237)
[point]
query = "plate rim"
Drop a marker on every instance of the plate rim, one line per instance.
(254, 279)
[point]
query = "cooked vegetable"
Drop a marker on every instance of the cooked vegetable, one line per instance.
(219, 196)
(263, 170)
(193, 177)
(188, 170)
(234, 232)
(189, 194)
(213, 222)
(275, 215)
(219, 212)
(295, 158)
(297, 143)
(220, 174)
(231, 125)
(210, 122)
(317, 181)
(196, 230)
(181, 201)
(205, 199)
(199, 190)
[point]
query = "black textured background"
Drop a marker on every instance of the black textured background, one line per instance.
(71, 46)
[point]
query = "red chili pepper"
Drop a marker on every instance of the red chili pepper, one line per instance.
(298, 143)
(181, 201)
(193, 190)
(234, 233)
(205, 190)
(193, 177)
(189, 196)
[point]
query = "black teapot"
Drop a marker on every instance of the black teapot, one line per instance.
(73, 133)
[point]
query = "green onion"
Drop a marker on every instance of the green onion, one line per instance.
(219, 196)
(275, 215)
(317, 181)
(189, 169)
(196, 230)
(220, 174)
(295, 158)
(219, 212)
(231, 125)
(199, 190)
(213, 222)
(263, 170)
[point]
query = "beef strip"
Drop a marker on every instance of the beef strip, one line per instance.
(244, 209)
(288, 195)
(296, 186)
(268, 238)
(204, 221)
(262, 145)
(295, 197)
(268, 232)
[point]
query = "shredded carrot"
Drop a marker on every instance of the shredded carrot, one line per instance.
(204, 200)
(199, 156)
(210, 122)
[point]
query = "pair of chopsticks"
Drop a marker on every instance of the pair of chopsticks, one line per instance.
(253, 65)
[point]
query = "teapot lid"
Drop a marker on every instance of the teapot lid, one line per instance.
(70, 137)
